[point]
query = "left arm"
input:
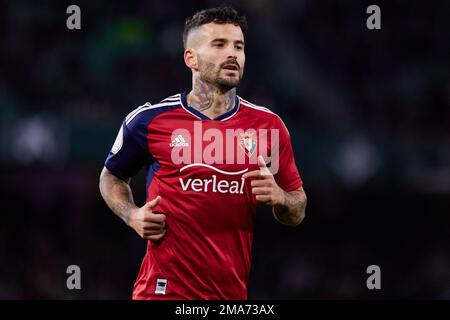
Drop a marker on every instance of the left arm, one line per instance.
(288, 207)
(291, 211)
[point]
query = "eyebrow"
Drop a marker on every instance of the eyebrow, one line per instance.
(225, 40)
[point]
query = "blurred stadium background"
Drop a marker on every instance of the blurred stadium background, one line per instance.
(368, 112)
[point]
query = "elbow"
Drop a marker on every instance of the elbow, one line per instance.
(105, 181)
(101, 180)
(291, 220)
(299, 218)
(295, 220)
(302, 209)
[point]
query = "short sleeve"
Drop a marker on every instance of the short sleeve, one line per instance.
(287, 177)
(129, 152)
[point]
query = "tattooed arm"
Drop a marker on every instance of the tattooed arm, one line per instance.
(292, 211)
(288, 207)
(119, 198)
(117, 194)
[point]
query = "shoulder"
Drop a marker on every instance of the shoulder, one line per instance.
(262, 111)
(252, 107)
(145, 113)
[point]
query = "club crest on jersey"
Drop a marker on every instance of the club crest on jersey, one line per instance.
(248, 143)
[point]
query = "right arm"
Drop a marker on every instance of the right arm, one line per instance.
(117, 194)
(119, 198)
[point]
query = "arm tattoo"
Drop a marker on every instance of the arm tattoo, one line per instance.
(293, 211)
(123, 202)
(117, 195)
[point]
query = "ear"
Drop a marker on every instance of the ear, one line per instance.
(190, 59)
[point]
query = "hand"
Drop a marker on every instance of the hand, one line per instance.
(264, 186)
(149, 225)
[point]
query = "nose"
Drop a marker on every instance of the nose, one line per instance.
(232, 56)
(232, 53)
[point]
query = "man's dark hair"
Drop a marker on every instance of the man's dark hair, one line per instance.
(219, 15)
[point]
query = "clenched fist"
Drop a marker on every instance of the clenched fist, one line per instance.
(264, 186)
(148, 224)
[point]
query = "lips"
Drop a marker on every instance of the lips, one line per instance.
(232, 67)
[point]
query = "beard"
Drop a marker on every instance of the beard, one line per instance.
(210, 73)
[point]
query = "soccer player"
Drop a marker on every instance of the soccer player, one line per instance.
(211, 157)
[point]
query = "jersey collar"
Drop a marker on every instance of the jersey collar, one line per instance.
(227, 115)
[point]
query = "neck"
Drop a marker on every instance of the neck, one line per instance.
(210, 100)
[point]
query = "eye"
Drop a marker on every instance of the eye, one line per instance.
(218, 45)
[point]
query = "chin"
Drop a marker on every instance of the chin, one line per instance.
(229, 83)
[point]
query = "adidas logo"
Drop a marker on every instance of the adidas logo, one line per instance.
(179, 142)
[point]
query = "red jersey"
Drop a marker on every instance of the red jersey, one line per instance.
(196, 165)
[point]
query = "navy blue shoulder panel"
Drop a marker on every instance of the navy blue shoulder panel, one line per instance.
(138, 122)
(130, 152)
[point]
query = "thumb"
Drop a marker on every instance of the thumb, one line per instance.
(153, 203)
(261, 162)
(262, 166)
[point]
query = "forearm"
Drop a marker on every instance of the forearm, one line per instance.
(117, 194)
(292, 211)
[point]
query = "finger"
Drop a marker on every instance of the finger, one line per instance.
(149, 233)
(153, 203)
(153, 226)
(263, 198)
(156, 237)
(260, 183)
(261, 191)
(252, 174)
(261, 162)
(262, 166)
(154, 217)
